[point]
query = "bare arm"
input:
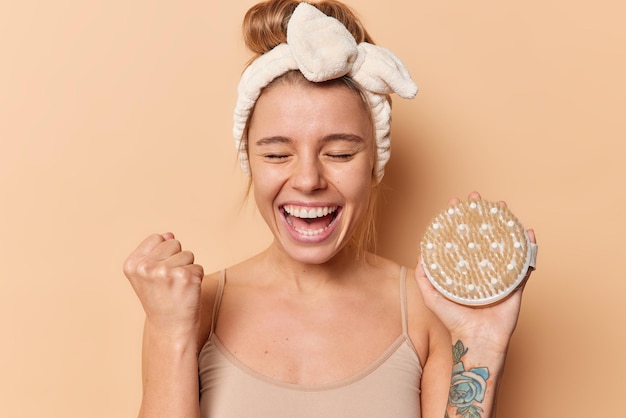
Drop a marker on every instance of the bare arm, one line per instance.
(474, 385)
(167, 282)
(469, 369)
(435, 382)
(170, 375)
(477, 348)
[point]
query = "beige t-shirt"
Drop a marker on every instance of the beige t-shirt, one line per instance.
(388, 388)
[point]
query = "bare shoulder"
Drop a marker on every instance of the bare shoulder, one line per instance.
(210, 285)
(383, 267)
(208, 293)
(426, 331)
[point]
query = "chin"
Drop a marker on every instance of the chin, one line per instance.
(317, 253)
(311, 256)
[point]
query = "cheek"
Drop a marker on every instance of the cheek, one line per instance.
(261, 187)
(264, 197)
(266, 184)
(356, 188)
(357, 178)
(363, 185)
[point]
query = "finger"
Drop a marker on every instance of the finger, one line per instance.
(474, 196)
(431, 297)
(182, 258)
(419, 270)
(454, 201)
(167, 235)
(147, 245)
(426, 287)
(533, 238)
(190, 273)
(197, 271)
(166, 249)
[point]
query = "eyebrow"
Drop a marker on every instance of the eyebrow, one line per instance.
(343, 137)
(273, 140)
(329, 138)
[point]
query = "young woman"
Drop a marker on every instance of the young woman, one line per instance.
(315, 325)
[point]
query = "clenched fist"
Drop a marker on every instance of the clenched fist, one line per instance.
(167, 282)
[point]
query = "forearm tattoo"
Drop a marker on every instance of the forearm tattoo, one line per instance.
(467, 387)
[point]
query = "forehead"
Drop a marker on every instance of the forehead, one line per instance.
(306, 108)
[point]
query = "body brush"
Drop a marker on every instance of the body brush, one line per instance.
(477, 252)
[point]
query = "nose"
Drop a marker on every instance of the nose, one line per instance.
(308, 175)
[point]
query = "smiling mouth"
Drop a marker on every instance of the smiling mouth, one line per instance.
(310, 221)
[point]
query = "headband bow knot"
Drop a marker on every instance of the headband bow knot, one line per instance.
(322, 49)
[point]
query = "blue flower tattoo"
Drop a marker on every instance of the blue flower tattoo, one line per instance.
(468, 387)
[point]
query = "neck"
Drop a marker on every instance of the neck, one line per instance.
(309, 278)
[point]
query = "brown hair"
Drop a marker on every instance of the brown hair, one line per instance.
(265, 27)
(265, 24)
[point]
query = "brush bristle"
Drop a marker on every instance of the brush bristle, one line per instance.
(476, 252)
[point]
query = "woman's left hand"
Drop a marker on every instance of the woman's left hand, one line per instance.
(493, 325)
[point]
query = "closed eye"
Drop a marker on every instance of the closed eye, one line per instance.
(276, 157)
(341, 156)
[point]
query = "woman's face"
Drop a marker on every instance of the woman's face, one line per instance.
(311, 151)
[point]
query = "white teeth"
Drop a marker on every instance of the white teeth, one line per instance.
(310, 233)
(309, 213)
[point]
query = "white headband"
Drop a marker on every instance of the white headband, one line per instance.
(322, 49)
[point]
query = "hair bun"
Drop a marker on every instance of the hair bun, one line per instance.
(265, 24)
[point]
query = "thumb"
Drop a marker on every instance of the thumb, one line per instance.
(430, 295)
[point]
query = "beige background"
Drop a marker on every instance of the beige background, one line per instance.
(115, 123)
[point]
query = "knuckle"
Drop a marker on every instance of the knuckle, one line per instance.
(144, 268)
(183, 274)
(128, 267)
(161, 271)
(188, 274)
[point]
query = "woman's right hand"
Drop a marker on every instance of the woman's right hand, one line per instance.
(167, 282)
